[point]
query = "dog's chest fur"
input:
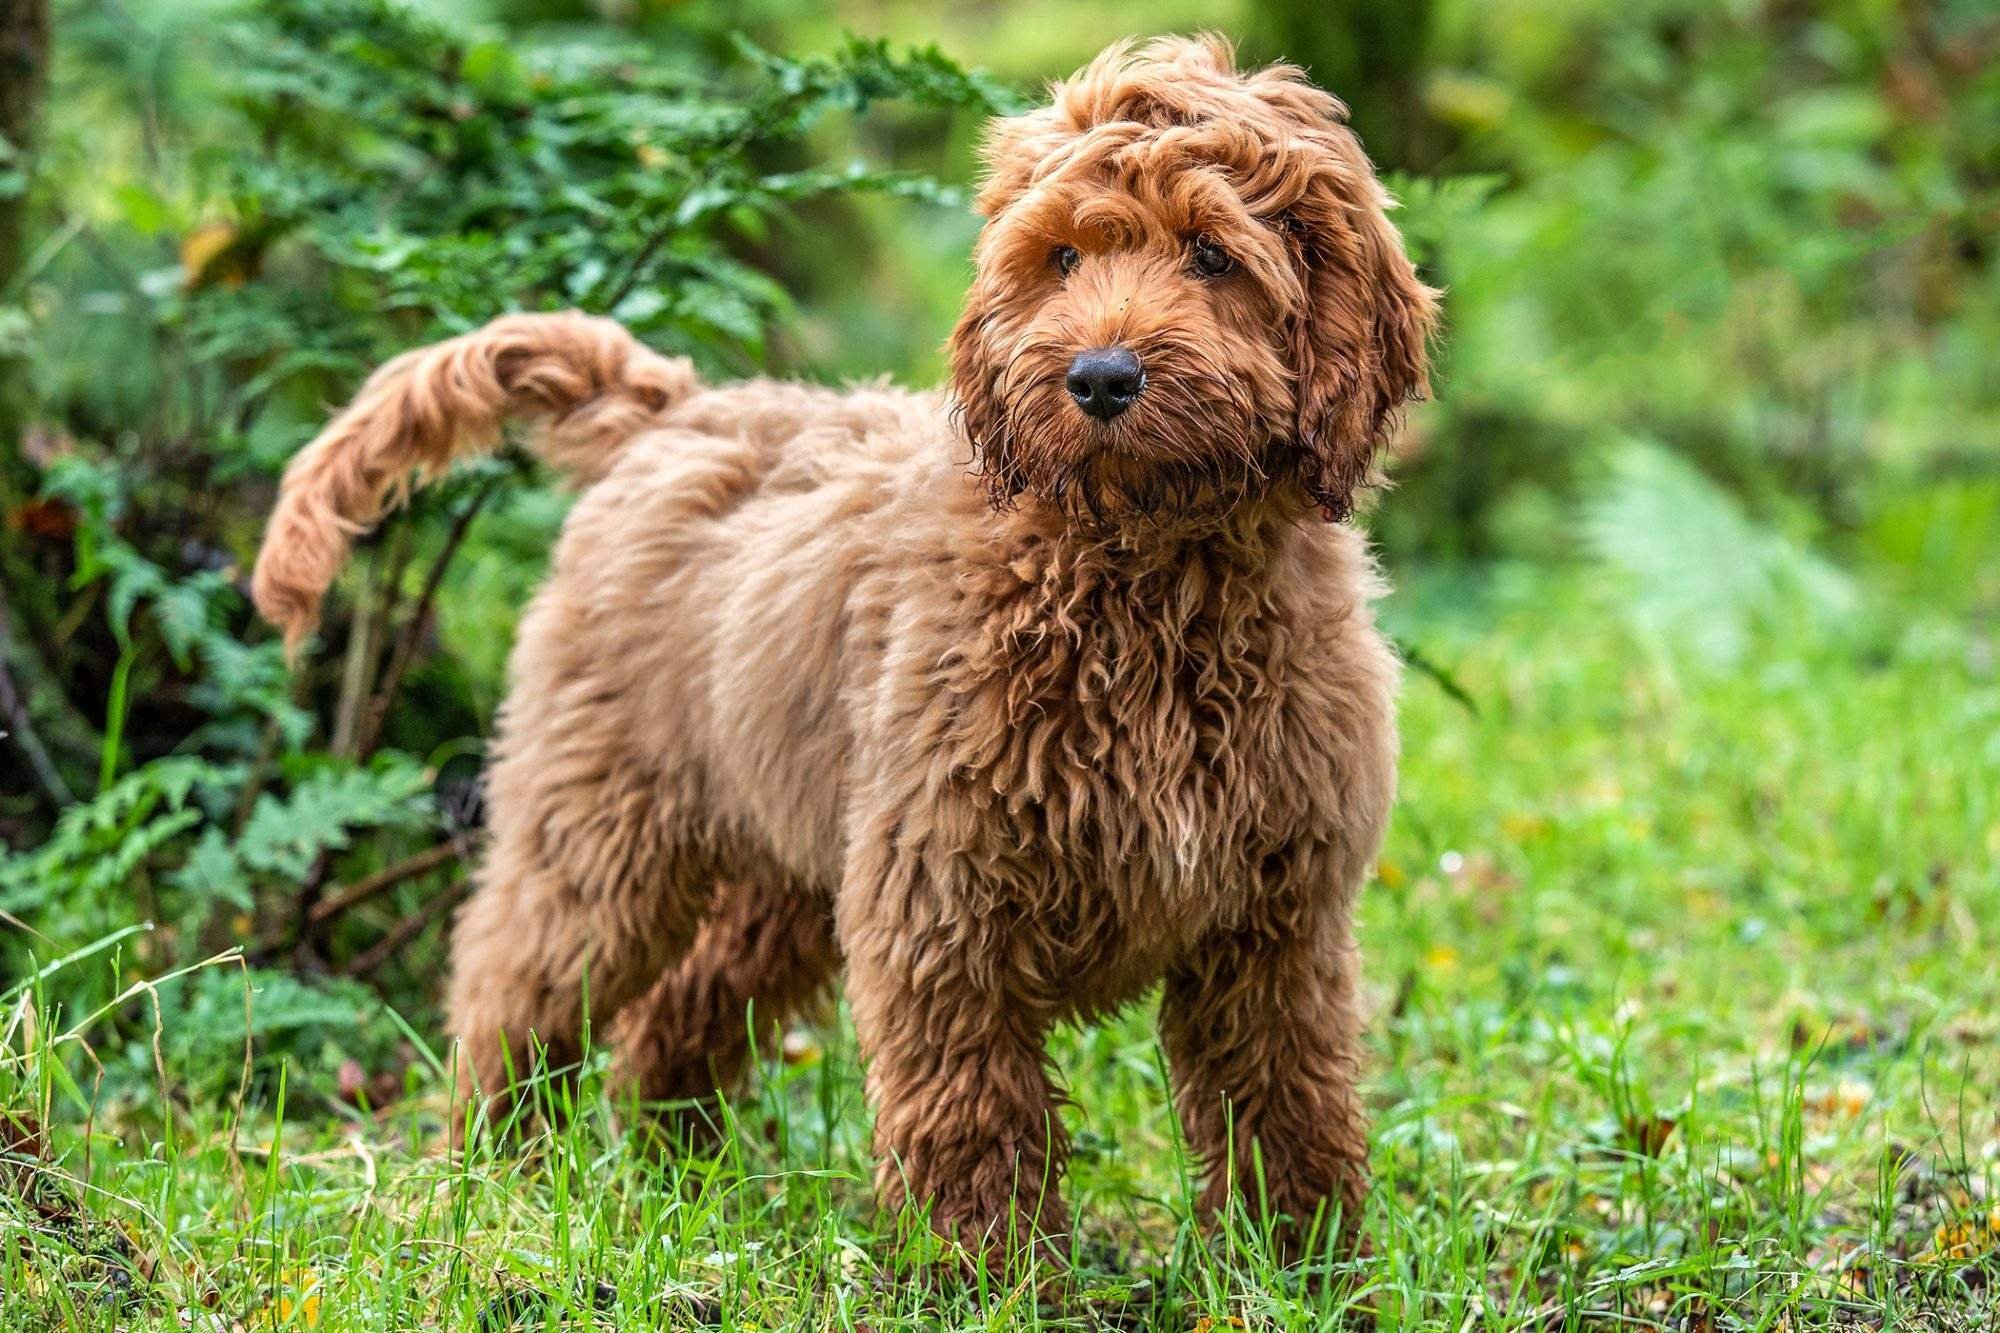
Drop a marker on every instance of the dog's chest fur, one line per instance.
(1152, 749)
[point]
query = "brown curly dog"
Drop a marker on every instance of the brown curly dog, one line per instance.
(1014, 700)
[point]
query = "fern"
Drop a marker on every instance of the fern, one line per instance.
(1698, 571)
(364, 178)
(214, 873)
(284, 836)
(450, 179)
(304, 1024)
(99, 845)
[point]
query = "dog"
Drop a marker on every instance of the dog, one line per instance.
(1012, 700)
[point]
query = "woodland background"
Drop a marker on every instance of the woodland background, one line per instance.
(1697, 558)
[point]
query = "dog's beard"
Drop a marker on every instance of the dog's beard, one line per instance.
(1192, 448)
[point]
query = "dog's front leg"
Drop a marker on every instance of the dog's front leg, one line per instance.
(966, 1126)
(1263, 1034)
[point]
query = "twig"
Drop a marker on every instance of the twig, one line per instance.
(72, 740)
(21, 730)
(399, 564)
(650, 248)
(357, 672)
(307, 937)
(379, 883)
(1441, 676)
(260, 771)
(412, 632)
(19, 727)
(405, 931)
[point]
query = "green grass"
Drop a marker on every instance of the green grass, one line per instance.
(1686, 1017)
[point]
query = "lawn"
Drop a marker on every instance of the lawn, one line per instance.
(1686, 1010)
(1681, 952)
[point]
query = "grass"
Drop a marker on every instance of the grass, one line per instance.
(1686, 1006)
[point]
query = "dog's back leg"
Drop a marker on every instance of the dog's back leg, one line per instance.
(595, 881)
(765, 954)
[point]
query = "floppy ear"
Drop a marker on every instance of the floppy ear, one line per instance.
(975, 398)
(1010, 146)
(1361, 345)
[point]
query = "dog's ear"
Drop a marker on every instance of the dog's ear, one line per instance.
(1361, 346)
(975, 396)
(1012, 148)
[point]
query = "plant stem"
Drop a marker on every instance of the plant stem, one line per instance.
(406, 930)
(115, 706)
(412, 633)
(20, 728)
(382, 881)
(358, 669)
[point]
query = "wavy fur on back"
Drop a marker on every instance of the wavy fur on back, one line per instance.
(1006, 711)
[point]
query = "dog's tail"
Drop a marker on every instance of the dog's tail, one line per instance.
(591, 384)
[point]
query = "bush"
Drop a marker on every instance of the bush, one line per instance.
(356, 179)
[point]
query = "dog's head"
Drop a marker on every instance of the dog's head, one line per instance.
(1188, 293)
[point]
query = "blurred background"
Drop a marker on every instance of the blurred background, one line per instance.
(1717, 384)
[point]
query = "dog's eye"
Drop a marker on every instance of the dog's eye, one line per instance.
(1210, 259)
(1065, 258)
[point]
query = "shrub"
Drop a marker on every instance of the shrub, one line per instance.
(357, 179)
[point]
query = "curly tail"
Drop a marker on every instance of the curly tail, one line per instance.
(591, 383)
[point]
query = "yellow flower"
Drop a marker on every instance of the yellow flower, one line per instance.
(297, 1307)
(1955, 1241)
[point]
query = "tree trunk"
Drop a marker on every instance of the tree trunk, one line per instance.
(24, 71)
(1372, 54)
(24, 588)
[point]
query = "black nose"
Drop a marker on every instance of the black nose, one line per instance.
(1105, 380)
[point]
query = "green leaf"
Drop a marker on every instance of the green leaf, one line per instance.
(1701, 572)
(144, 210)
(284, 836)
(212, 873)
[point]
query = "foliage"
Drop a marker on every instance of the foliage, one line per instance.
(1680, 1024)
(1695, 566)
(372, 179)
(1756, 235)
(1680, 944)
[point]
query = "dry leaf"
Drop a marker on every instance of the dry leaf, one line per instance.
(1646, 1134)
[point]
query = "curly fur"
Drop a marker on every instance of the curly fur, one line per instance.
(1013, 742)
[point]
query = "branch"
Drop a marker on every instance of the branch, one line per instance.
(405, 931)
(412, 632)
(260, 770)
(21, 727)
(71, 742)
(307, 937)
(21, 730)
(379, 883)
